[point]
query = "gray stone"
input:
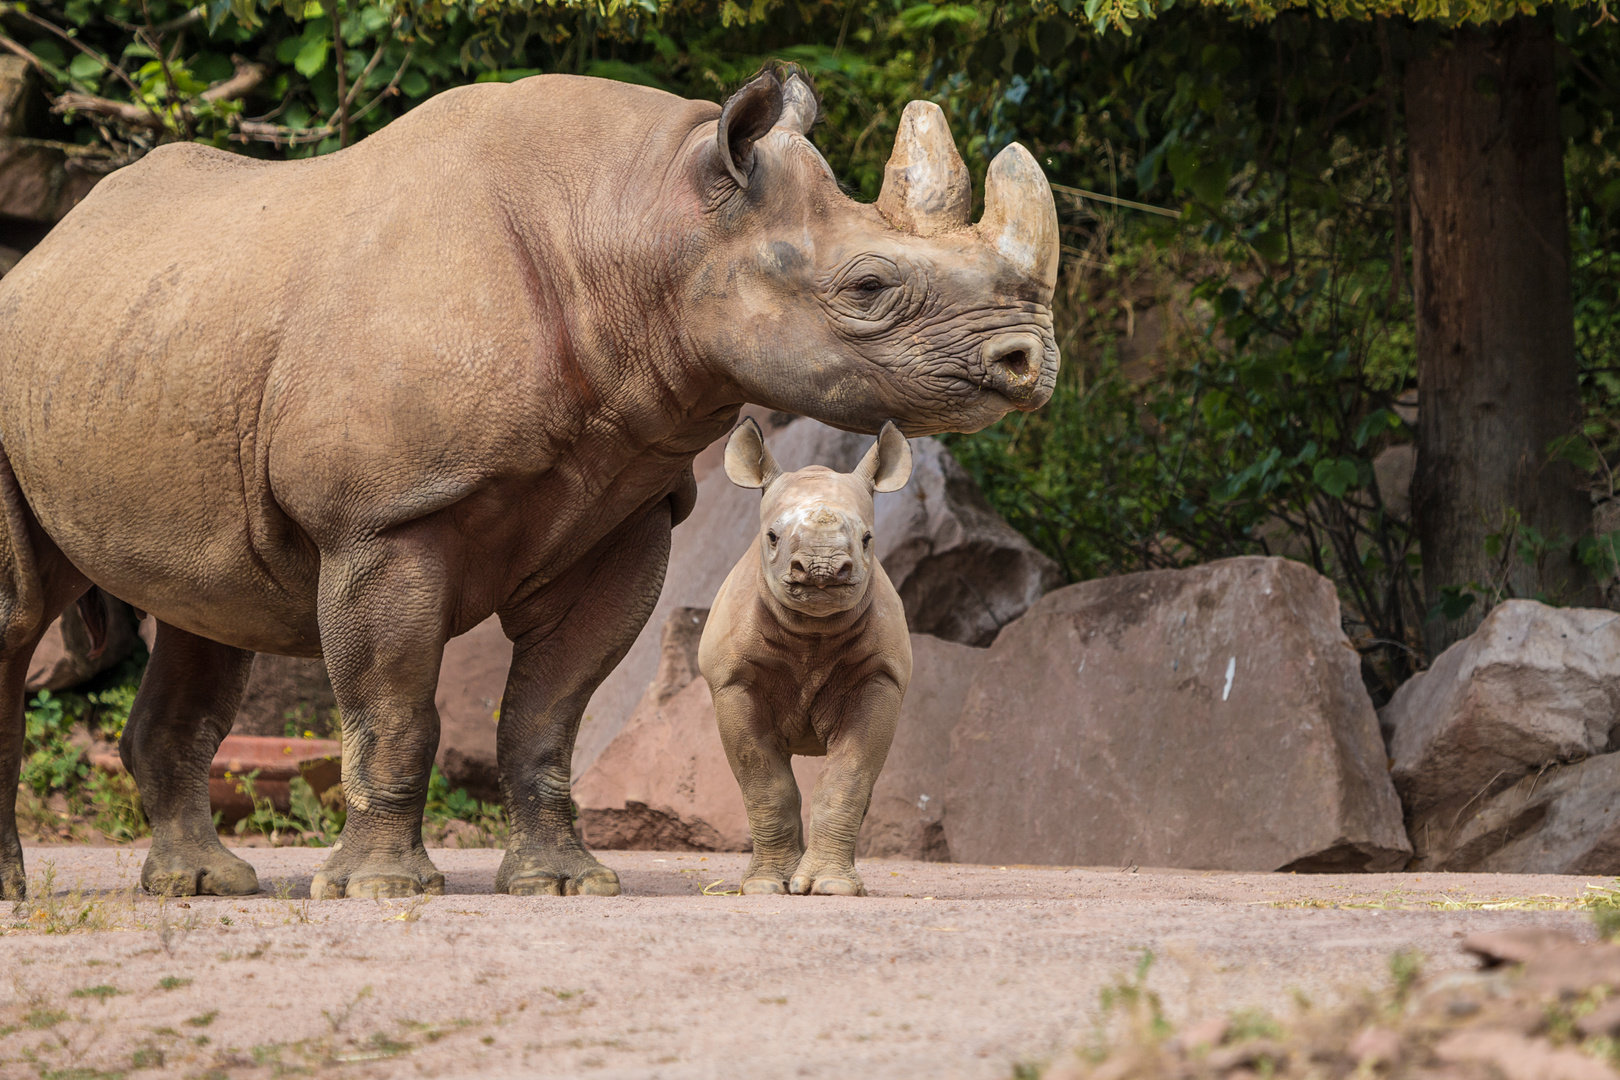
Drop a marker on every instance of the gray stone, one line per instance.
(1561, 820)
(1533, 686)
(962, 572)
(64, 657)
(1210, 718)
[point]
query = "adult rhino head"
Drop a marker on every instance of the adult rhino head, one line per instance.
(811, 302)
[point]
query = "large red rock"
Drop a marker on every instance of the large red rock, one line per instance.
(1211, 718)
(664, 782)
(287, 690)
(472, 680)
(962, 572)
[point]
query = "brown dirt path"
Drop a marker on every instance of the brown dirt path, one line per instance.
(946, 971)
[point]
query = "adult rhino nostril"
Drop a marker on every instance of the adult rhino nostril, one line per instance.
(1012, 364)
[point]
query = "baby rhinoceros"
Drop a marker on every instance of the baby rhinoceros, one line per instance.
(806, 652)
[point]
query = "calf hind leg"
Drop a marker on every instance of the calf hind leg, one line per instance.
(186, 704)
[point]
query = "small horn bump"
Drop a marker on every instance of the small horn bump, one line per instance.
(799, 106)
(1020, 216)
(926, 187)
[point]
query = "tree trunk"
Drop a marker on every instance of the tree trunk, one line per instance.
(1495, 322)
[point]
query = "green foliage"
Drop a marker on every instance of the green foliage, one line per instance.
(445, 804)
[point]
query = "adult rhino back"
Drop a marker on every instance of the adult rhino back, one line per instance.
(357, 404)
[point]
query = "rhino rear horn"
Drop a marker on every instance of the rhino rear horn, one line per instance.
(744, 119)
(799, 106)
(1020, 217)
(926, 187)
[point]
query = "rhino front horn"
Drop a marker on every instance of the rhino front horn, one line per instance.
(926, 187)
(1020, 218)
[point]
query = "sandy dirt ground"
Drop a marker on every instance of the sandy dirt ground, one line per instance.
(945, 971)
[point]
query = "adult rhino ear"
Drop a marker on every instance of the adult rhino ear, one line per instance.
(745, 118)
(887, 466)
(749, 462)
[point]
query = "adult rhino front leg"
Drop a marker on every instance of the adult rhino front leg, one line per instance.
(186, 704)
(566, 639)
(383, 623)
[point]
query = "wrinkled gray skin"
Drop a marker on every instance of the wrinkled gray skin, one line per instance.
(806, 652)
(351, 406)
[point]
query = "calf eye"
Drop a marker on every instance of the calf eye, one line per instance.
(771, 537)
(866, 541)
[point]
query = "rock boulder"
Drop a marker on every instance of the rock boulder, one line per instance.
(1564, 819)
(1533, 686)
(961, 571)
(472, 680)
(1211, 718)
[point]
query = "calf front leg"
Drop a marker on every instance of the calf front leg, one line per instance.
(857, 746)
(566, 639)
(384, 621)
(764, 771)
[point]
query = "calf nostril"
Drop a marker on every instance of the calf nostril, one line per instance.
(799, 570)
(845, 569)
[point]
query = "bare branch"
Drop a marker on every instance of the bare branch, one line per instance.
(137, 116)
(246, 80)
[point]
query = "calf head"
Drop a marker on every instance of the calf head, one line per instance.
(810, 302)
(815, 534)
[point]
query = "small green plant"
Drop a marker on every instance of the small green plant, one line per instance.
(203, 1020)
(320, 818)
(445, 804)
(172, 982)
(115, 806)
(100, 993)
(1603, 904)
(1405, 967)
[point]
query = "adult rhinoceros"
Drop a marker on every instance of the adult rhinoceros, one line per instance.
(351, 406)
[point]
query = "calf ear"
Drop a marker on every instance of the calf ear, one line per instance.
(746, 117)
(748, 460)
(887, 466)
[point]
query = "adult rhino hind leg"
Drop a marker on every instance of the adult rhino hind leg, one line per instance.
(36, 583)
(186, 704)
(383, 628)
(566, 640)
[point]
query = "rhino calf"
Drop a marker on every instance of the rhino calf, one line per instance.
(806, 652)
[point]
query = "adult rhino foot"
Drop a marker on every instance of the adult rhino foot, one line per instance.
(767, 874)
(376, 875)
(825, 879)
(200, 867)
(541, 872)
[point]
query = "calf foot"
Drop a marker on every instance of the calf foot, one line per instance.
(376, 874)
(818, 877)
(541, 871)
(13, 882)
(196, 866)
